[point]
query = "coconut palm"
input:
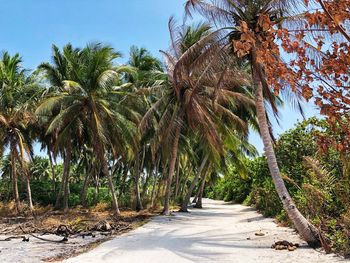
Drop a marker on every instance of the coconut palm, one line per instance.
(16, 92)
(58, 139)
(190, 97)
(251, 21)
(91, 104)
(147, 67)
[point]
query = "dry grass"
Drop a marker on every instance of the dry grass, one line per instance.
(77, 219)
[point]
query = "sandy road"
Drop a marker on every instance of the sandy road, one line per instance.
(218, 233)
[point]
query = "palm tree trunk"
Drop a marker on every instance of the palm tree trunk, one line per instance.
(14, 178)
(124, 178)
(187, 198)
(66, 172)
(155, 179)
(85, 188)
(177, 178)
(29, 193)
(200, 192)
(306, 230)
(60, 192)
(101, 151)
(184, 183)
(96, 188)
(52, 170)
(196, 196)
(172, 163)
(107, 174)
(145, 189)
(137, 183)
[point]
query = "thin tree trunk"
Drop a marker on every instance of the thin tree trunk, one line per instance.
(107, 174)
(85, 188)
(145, 189)
(52, 170)
(96, 188)
(183, 185)
(187, 198)
(161, 182)
(200, 191)
(14, 179)
(29, 193)
(172, 163)
(307, 231)
(148, 178)
(155, 179)
(100, 150)
(66, 177)
(196, 196)
(137, 183)
(60, 192)
(124, 178)
(177, 178)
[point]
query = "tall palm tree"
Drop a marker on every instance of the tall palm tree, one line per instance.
(16, 91)
(147, 70)
(188, 98)
(249, 22)
(58, 139)
(91, 102)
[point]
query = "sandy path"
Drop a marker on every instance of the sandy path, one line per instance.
(218, 233)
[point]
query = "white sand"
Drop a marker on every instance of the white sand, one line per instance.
(218, 233)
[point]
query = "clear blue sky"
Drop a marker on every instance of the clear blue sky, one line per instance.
(30, 27)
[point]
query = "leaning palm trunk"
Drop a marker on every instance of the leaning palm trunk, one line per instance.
(29, 193)
(307, 231)
(14, 178)
(107, 174)
(187, 198)
(85, 188)
(171, 170)
(100, 150)
(52, 171)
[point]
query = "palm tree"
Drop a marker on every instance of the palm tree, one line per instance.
(189, 97)
(147, 70)
(147, 67)
(58, 139)
(16, 118)
(244, 30)
(91, 104)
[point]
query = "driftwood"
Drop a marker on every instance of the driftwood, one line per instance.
(63, 230)
(86, 234)
(104, 228)
(65, 239)
(24, 239)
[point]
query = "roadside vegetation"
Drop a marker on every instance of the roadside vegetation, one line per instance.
(151, 133)
(317, 181)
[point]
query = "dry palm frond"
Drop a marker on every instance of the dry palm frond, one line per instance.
(327, 179)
